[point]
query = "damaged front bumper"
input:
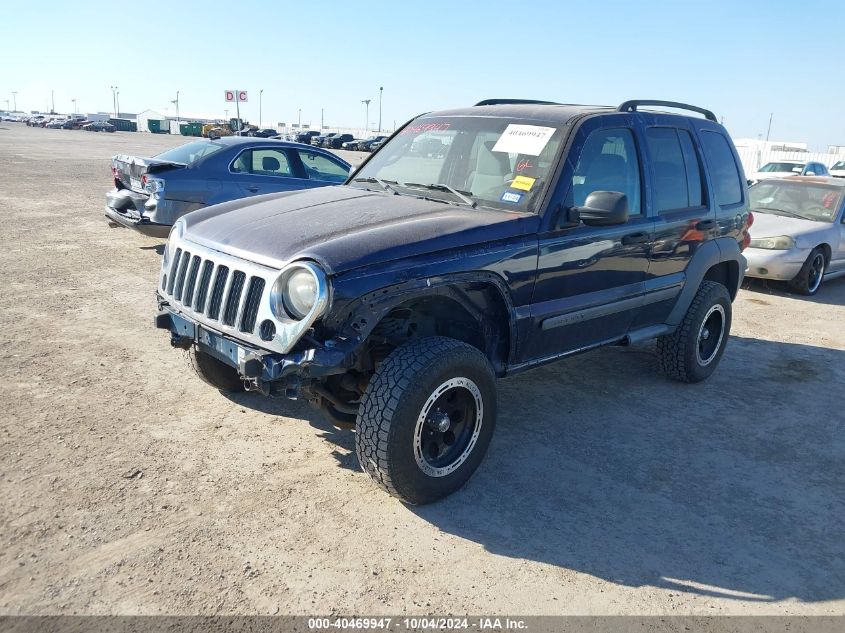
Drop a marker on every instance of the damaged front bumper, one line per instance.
(262, 370)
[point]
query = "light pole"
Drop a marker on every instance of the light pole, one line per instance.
(366, 103)
(260, 119)
(176, 102)
(52, 103)
(74, 105)
(321, 120)
(299, 121)
(768, 131)
(114, 99)
(380, 91)
(14, 101)
(117, 96)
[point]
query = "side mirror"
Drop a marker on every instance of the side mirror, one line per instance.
(604, 208)
(809, 173)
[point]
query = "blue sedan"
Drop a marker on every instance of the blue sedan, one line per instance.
(150, 194)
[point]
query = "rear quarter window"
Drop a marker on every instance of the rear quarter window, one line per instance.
(727, 182)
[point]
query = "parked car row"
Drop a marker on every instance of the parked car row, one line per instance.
(69, 123)
(475, 243)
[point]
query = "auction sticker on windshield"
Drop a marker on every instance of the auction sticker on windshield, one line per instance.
(523, 182)
(524, 139)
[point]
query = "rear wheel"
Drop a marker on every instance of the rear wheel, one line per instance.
(427, 418)
(809, 278)
(214, 372)
(692, 352)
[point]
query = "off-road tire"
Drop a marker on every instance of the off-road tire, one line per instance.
(677, 352)
(393, 402)
(802, 283)
(214, 372)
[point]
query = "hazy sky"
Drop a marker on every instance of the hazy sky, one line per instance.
(741, 58)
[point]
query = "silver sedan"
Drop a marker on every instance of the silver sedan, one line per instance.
(798, 235)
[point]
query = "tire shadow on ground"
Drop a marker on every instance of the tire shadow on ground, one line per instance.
(602, 466)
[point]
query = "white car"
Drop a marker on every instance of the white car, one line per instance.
(786, 168)
(837, 170)
(798, 234)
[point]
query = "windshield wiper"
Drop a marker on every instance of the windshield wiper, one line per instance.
(382, 183)
(784, 211)
(442, 187)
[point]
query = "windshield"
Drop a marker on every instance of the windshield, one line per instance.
(788, 167)
(794, 199)
(484, 161)
(190, 152)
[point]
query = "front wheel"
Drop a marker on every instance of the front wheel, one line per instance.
(692, 352)
(809, 278)
(214, 372)
(427, 418)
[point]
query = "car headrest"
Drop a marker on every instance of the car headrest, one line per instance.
(268, 163)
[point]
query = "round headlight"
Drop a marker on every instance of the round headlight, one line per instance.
(297, 291)
(300, 293)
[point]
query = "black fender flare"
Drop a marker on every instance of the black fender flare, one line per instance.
(709, 254)
(371, 308)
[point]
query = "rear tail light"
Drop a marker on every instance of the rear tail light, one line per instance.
(750, 220)
(746, 236)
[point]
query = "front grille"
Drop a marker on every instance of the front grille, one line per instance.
(227, 293)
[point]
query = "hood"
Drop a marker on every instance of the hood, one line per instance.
(769, 225)
(764, 175)
(342, 227)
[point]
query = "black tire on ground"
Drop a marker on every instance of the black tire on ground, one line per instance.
(399, 442)
(692, 352)
(809, 278)
(214, 372)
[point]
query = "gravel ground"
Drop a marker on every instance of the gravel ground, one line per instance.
(130, 487)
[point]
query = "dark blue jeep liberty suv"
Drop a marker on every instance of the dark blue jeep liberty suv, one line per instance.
(475, 243)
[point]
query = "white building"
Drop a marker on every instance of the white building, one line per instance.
(146, 116)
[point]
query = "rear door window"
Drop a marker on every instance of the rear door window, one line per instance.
(727, 184)
(677, 173)
(263, 162)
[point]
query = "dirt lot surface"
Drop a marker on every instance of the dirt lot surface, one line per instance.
(128, 486)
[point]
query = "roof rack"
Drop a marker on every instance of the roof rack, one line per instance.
(512, 101)
(631, 106)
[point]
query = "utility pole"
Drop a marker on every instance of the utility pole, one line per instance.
(117, 96)
(771, 114)
(299, 121)
(366, 103)
(14, 101)
(114, 100)
(176, 101)
(74, 105)
(260, 125)
(52, 103)
(380, 91)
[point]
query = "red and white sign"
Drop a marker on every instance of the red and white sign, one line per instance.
(242, 95)
(231, 95)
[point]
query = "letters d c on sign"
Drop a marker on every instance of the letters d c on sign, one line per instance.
(230, 95)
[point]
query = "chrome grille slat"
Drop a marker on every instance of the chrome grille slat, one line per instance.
(171, 277)
(254, 292)
(233, 300)
(218, 290)
(190, 281)
(202, 286)
(180, 278)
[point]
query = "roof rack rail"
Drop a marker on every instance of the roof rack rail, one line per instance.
(631, 106)
(512, 101)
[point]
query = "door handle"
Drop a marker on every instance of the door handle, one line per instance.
(635, 238)
(706, 225)
(253, 189)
